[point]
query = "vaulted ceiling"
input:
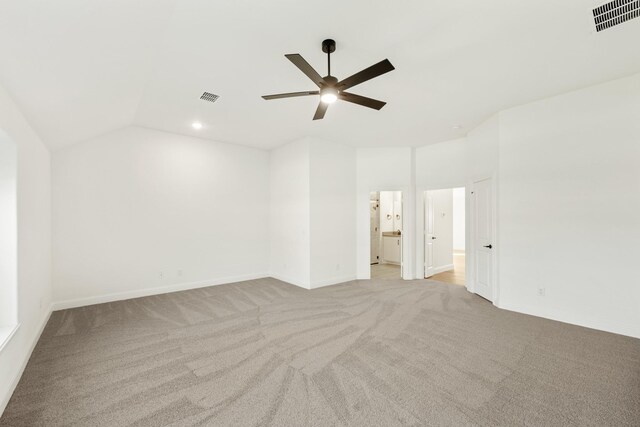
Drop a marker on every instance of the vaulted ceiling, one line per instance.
(81, 68)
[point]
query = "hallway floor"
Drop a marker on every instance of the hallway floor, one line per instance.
(455, 276)
(385, 271)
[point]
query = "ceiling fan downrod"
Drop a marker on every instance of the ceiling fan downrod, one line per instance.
(328, 47)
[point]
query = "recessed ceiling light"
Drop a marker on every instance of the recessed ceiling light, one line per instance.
(457, 127)
(196, 125)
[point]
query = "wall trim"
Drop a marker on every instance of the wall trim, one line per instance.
(16, 379)
(627, 329)
(119, 296)
(442, 269)
(289, 281)
(7, 334)
(333, 281)
(318, 284)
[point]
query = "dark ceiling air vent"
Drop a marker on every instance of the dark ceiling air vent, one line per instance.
(615, 12)
(206, 96)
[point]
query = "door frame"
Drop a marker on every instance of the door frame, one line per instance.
(423, 265)
(402, 236)
(470, 250)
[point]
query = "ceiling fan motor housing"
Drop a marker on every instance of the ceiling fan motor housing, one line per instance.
(330, 80)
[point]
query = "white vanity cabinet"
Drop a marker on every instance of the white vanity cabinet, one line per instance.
(391, 247)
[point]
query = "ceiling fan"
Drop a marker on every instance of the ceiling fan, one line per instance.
(330, 88)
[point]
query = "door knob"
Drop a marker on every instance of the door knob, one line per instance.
(433, 237)
(489, 246)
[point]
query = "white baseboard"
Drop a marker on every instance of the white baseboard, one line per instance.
(442, 269)
(289, 281)
(100, 299)
(315, 285)
(627, 329)
(16, 379)
(6, 333)
(333, 281)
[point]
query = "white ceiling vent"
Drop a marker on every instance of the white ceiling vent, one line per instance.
(615, 12)
(206, 96)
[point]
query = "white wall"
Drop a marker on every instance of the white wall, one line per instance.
(33, 244)
(568, 193)
(459, 218)
(290, 235)
(391, 215)
(481, 150)
(8, 236)
(569, 203)
(313, 186)
(140, 211)
(333, 212)
(455, 164)
(386, 210)
(386, 169)
(443, 229)
(442, 165)
(398, 214)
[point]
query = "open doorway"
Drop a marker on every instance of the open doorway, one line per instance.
(444, 244)
(386, 234)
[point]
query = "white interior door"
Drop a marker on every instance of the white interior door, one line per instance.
(483, 236)
(429, 235)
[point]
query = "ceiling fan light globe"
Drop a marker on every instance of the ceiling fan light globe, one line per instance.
(329, 98)
(329, 95)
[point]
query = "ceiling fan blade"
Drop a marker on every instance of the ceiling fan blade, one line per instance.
(291, 95)
(366, 74)
(322, 109)
(304, 66)
(361, 100)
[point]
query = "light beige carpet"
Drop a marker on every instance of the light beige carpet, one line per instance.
(370, 353)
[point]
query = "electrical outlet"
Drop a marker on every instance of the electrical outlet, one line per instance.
(338, 267)
(541, 292)
(179, 273)
(161, 275)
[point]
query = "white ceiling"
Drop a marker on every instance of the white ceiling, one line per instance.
(80, 68)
